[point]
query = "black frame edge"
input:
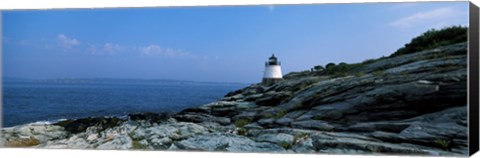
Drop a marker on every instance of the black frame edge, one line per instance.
(473, 53)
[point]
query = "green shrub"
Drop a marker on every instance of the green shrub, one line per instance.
(444, 144)
(433, 39)
(340, 70)
(242, 122)
(280, 113)
(369, 61)
(377, 73)
(242, 131)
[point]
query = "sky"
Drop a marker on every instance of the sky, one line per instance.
(216, 43)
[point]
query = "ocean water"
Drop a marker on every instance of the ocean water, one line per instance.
(33, 101)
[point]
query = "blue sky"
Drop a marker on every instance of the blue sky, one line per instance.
(220, 44)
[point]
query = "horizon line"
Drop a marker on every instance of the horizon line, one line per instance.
(119, 78)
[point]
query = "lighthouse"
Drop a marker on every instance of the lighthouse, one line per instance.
(273, 71)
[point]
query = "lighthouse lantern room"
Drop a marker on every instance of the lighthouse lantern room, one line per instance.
(273, 71)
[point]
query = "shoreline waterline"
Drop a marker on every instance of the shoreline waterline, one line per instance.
(27, 102)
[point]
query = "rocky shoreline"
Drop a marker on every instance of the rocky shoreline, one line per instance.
(414, 104)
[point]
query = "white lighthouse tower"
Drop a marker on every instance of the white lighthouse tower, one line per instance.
(273, 71)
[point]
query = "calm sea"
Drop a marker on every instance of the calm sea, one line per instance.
(32, 101)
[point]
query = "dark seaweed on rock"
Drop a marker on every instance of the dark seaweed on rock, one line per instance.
(150, 117)
(80, 125)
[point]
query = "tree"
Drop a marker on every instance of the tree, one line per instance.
(342, 67)
(318, 68)
(330, 65)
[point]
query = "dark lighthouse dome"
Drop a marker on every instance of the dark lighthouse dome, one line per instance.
(272, 60)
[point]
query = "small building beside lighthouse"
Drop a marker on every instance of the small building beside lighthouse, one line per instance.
(273, 71)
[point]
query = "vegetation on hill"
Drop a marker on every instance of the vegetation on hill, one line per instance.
(428, 40)
(433, 39)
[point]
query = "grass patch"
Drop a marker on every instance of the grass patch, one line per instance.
(378, 73)
(276, 115)
(286, 145)
(359, 74)
(340, 74)
(444, 144)
(137, 145)
(268, 116)
(369, 61)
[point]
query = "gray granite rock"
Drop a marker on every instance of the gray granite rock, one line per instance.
(279, 138)
(313, 124)
(226, 142)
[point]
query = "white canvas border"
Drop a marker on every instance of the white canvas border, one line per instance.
(71, 4)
